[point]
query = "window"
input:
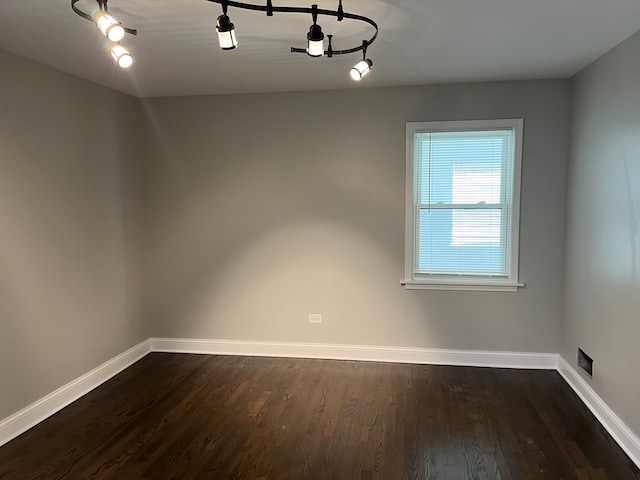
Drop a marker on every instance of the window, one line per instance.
(463, 205)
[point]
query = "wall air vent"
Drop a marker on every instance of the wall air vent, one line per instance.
(585, 362)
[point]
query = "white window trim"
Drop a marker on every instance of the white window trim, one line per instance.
(414, 281)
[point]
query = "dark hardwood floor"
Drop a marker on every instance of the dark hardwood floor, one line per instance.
(215, 417)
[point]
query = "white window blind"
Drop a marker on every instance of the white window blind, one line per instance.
(463, 202)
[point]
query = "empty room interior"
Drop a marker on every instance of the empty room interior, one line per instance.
(240, 261)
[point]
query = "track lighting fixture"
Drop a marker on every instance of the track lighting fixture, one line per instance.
(226, 33)
(363, 67)
(315, 37)
(110, 28)
(115, 31)
(226, 30)
(360, 69)
(121, 55)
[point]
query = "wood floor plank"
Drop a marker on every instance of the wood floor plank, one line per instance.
(174, 416)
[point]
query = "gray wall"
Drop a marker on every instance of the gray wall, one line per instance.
(261, 209)
(247, 212)
(69, 294)
(602, 268)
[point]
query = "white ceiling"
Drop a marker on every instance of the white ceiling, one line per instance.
(420, 42)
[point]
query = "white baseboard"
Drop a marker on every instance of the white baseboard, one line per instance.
(35, 413)
(627, 440)
(473, 358)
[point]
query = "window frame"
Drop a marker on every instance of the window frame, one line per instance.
(415, 280)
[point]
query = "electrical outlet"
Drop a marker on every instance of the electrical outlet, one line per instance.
(315, 318)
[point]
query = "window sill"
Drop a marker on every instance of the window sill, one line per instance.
(478, 286)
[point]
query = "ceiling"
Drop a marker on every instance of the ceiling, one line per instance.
(420, 42)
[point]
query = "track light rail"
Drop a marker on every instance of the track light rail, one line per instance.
(114, 31)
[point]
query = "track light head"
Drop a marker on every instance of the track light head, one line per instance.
(226, 33)
(109, 26)
(121, 55)
(315, 38)
(360, 69)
